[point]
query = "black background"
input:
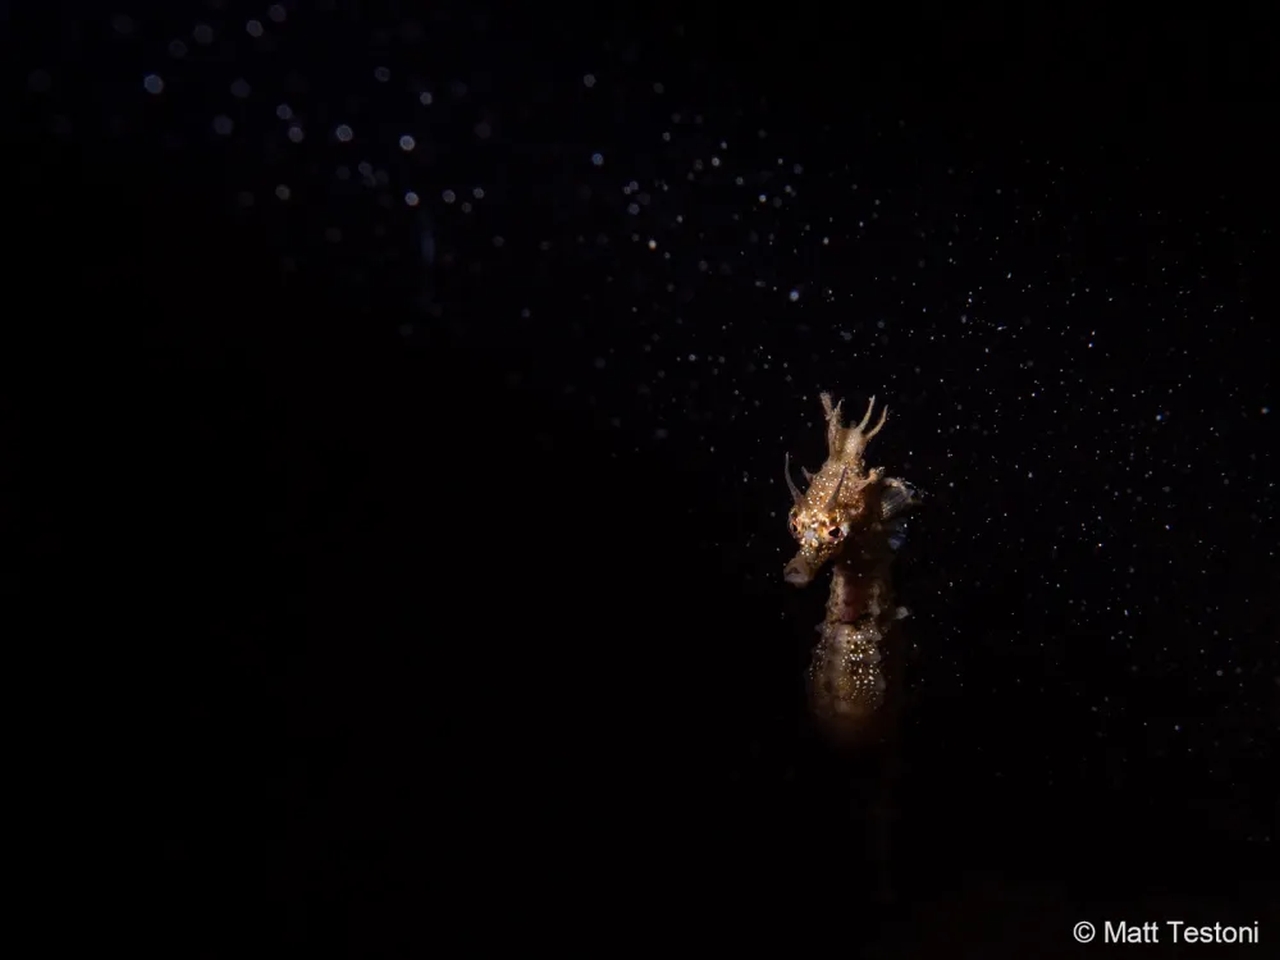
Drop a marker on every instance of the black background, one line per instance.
(406, 585)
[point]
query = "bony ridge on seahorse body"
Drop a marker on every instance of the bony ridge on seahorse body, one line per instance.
(849, 517)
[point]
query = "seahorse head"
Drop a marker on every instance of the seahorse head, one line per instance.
(824, 517)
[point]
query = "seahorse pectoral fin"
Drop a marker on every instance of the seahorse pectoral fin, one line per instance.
(897, 496)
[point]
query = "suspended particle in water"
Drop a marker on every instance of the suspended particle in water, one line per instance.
(153, 83)
(426, 242)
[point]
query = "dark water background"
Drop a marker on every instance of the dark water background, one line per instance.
(415, 567)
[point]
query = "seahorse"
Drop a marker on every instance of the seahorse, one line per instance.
(852, 518)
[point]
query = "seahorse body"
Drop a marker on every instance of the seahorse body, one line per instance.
(851, 518)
